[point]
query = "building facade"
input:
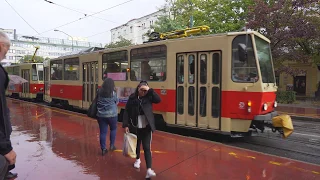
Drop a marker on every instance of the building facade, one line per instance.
(135, 29)
(305, 82)
(22, 45)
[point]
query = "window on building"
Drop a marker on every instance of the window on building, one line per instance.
(130, 29)
(243, 71)
(277, 75)
(71, 69)
(56, 69)
(115, 65)
(149, 63)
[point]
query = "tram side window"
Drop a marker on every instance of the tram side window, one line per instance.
(243, 71)
(16, 71)
(9, 70)
(115, 65)
(149, 63)
(56, 69)
(71, 69)
(34, 72)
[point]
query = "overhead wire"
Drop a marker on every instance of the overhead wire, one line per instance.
(87, 16)
(21, 16)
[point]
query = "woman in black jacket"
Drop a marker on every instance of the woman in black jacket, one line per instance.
(139, 114)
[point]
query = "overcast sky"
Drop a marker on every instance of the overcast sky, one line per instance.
(43, 16)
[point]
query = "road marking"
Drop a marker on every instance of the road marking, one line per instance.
(275, 163)
(307, 134)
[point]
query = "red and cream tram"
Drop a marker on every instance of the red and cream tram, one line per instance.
(33, 73)
(223, 82)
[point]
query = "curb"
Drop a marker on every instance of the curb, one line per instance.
(304, 118)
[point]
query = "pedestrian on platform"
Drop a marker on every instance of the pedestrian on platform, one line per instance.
(107, 113)
(6, 149)
(139, 114)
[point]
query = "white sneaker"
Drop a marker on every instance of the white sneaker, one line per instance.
(137, 164)
(150, 173)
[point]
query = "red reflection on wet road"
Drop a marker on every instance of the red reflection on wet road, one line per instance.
(56, 144)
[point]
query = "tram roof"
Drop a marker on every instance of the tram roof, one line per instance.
(14, 65)
(104, 50)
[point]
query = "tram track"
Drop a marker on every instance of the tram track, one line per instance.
(265, 142)
(289, 149)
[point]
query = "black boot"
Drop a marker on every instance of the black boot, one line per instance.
(104, 151)
(112, 148)
(11, 175)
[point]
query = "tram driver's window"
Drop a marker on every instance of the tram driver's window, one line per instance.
(56, 70)
(71, 69)
(34, 72)
(115, 65)
(243, 71)
(149, 63)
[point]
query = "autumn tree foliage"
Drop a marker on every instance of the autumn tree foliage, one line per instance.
(293, 26)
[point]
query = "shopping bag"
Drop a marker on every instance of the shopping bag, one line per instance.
(92, 111)
(129, 145)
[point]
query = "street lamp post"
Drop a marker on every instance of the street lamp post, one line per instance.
(67, 35)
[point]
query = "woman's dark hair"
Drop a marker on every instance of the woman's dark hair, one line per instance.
(107, 88)
(139, 85)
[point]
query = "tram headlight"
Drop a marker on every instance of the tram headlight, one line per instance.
(249, 106)
(265, 106)
(275, 104)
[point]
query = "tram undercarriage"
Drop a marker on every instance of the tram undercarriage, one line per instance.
(282, 124)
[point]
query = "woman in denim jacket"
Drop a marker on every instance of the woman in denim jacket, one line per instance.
(107, 113)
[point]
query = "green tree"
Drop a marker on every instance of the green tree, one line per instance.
(166, 24)
(121, 43)
(28, 58)
(219, 15)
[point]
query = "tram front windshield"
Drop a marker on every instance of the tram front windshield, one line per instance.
(40, 72)
(264, 59)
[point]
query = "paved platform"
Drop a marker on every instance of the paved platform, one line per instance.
(301, 113)
(57, 144)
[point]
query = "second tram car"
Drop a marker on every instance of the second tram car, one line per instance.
(223, 82)
(33, 73)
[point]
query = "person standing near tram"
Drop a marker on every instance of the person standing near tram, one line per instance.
(107, 113)
(7, 154)
(139, 114)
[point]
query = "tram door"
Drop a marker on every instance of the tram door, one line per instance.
(46, 82)
(90, 83)
(198, 89)
(25, 86)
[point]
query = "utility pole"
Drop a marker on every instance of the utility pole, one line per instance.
(191, 16)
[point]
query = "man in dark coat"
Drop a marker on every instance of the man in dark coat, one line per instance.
(6, 149)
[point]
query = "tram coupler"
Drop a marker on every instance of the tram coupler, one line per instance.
(282, 124)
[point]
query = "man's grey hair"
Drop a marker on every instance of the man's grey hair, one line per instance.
(4, 38)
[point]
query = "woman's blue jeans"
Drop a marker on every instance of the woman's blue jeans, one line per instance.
(103, 126)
